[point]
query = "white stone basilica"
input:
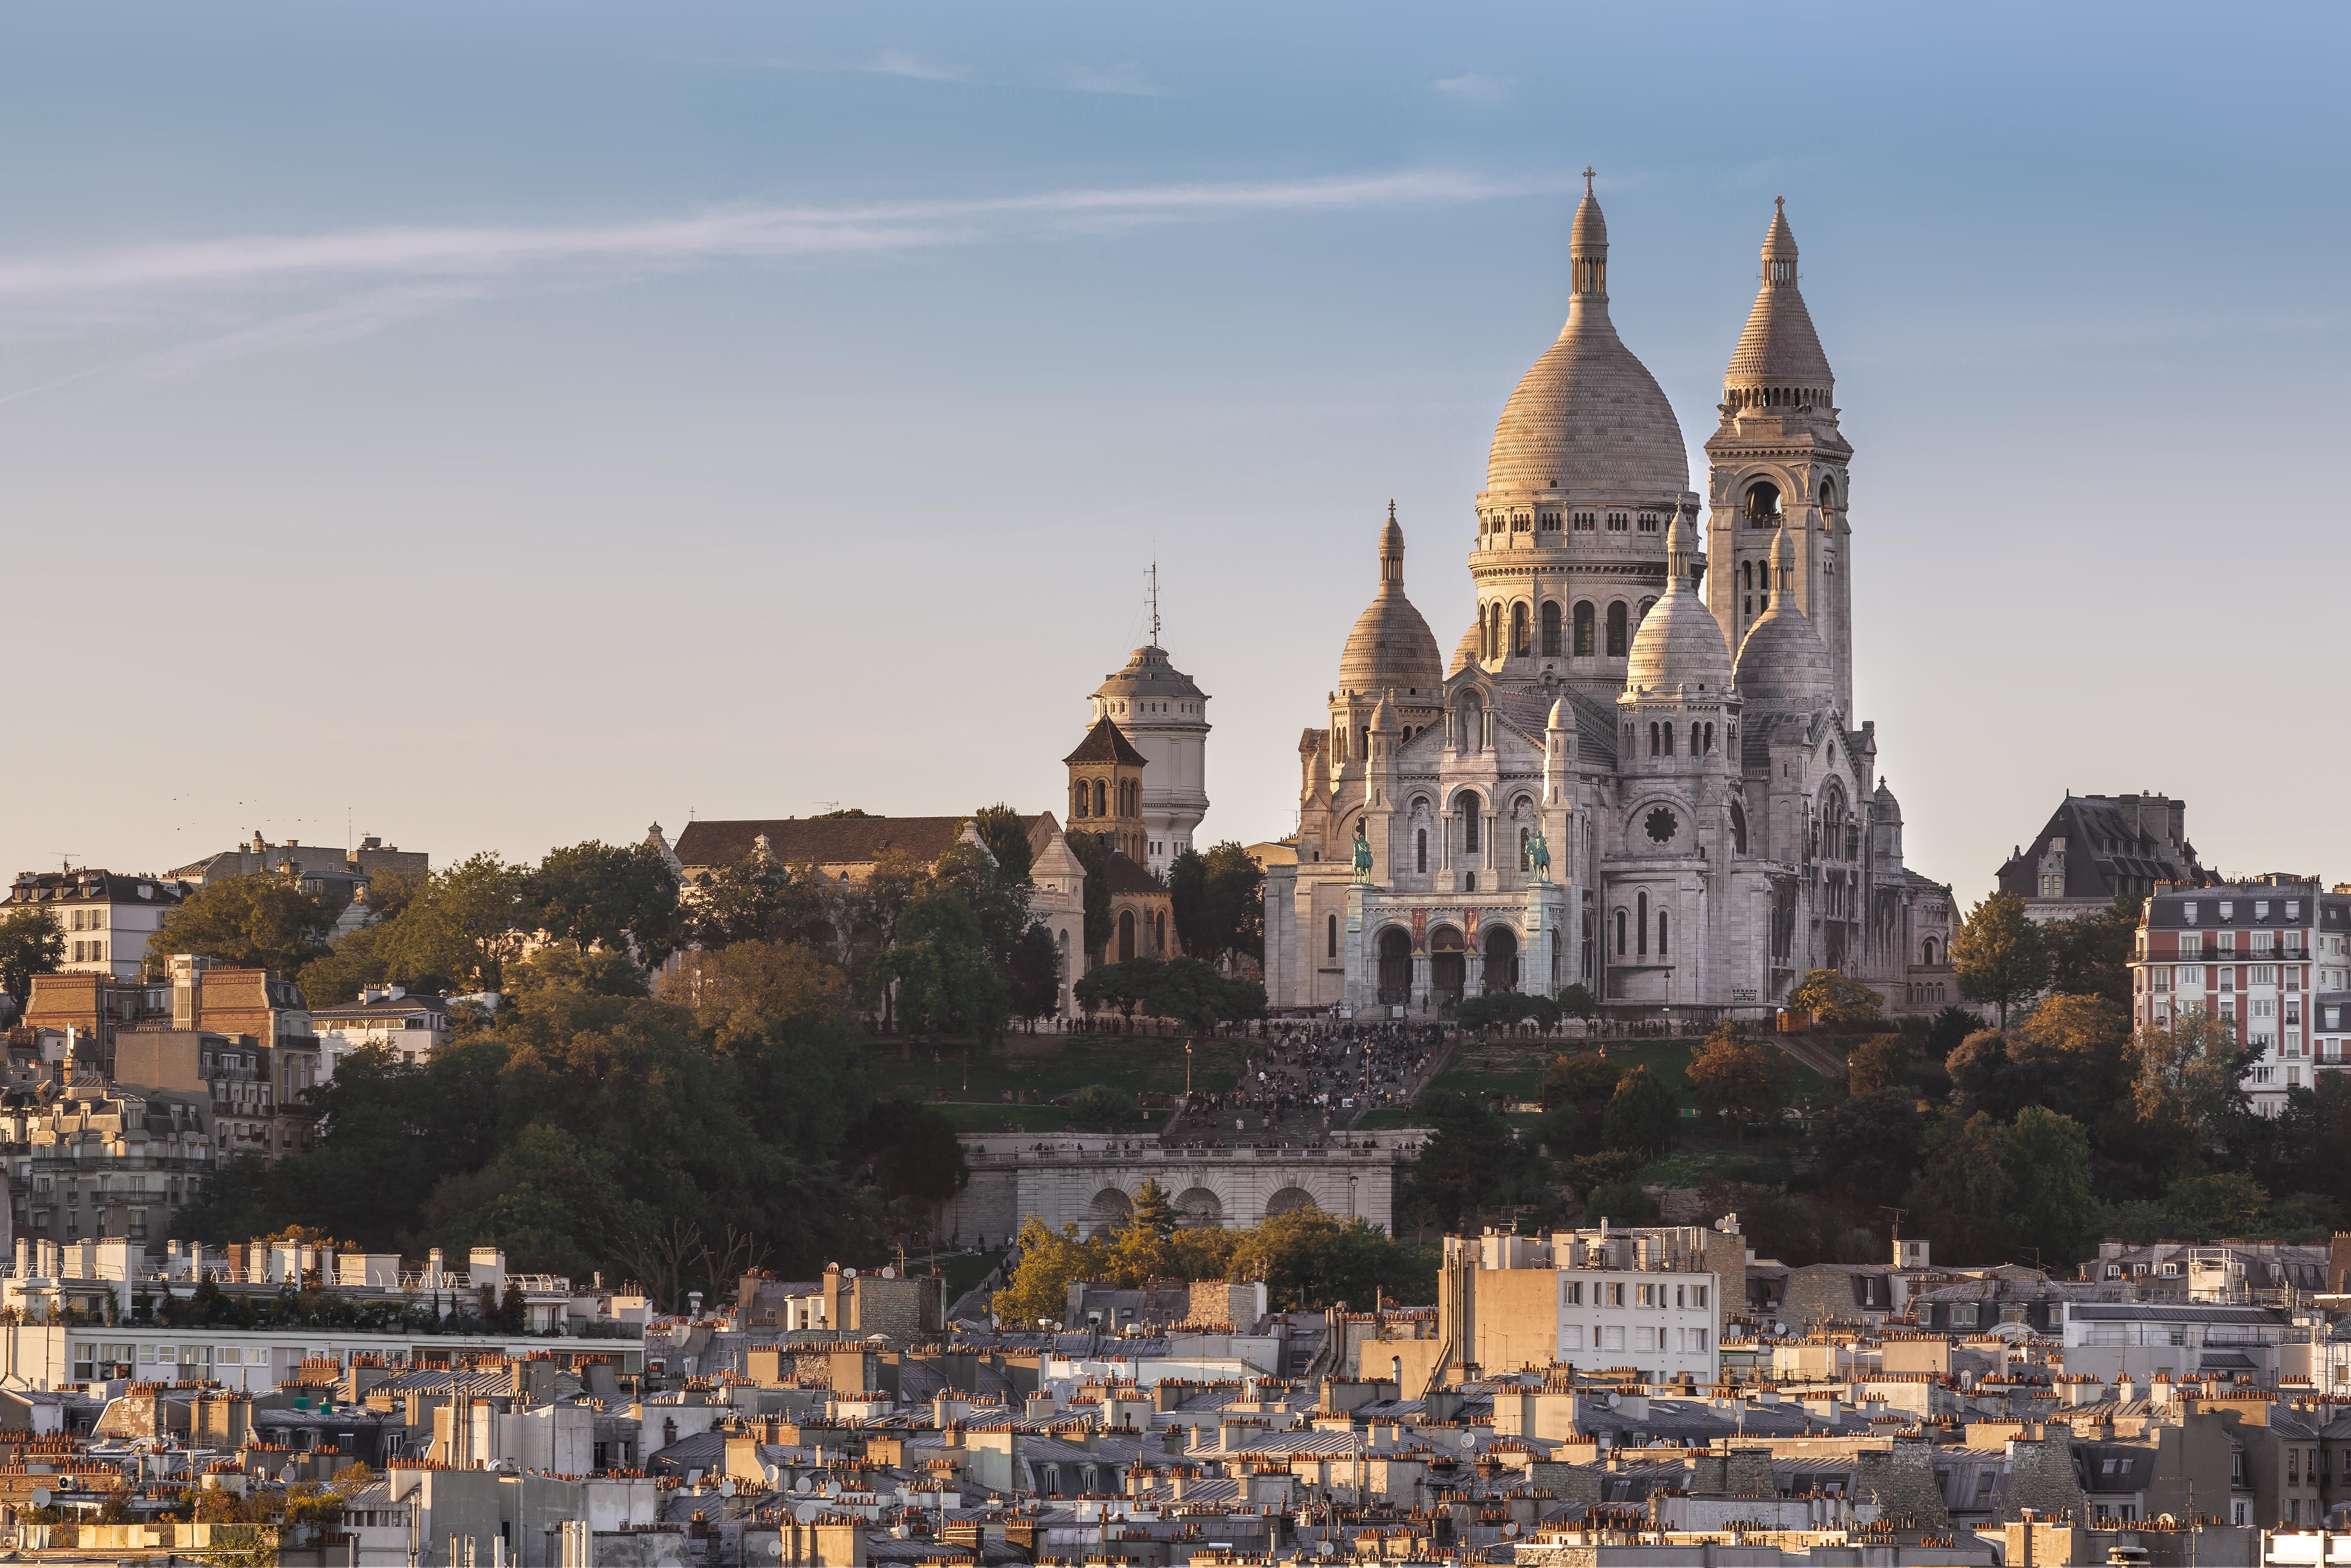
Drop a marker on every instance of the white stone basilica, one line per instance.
(1596, 791)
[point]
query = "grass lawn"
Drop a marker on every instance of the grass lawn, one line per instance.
(1044, 1067)
(965, 1269)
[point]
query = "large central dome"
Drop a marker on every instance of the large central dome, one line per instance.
(1589, 417)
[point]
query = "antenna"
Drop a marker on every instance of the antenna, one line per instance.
(65, 860)
(1154, 604)
(1897, 1214)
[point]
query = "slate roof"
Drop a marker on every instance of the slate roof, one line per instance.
(1107, 743)
(2108, 853)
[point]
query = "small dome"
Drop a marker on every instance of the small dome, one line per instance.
(1391, 646)
(1383, 716)
(1148, 676)
(1679, 642)
(1563, 715)
(1783, 663)
(1883, 805)
(1465, 651)
(1779, 348)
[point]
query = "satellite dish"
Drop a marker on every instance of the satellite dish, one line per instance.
(1326, 1549)
(849, 1273)
(1468, 1441)
(805, 1512)
(40, 1496)
(1511, 1528)
(727, 1487)
(888, 1272)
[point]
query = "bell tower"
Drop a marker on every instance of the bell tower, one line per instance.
(1778, 458)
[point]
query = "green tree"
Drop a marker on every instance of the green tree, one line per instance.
(947, 983)
(1577, 1001)
(2188, 1090)
(1961, 1196)
(2217, 1205)
(1099, 1108)
(1153, 1210)
(2072, 1052)
(247, 921)
(2050, 1206)
(1051, 1261)
(1472, 1164)
(1220, 904)
(1730, 1076)
(1190, 991)
(1309, 1259)
(1999, 955)
(1001, 829)
(911, 1151)
(1983, 1078)
(31, 942)
(1641, 1116)
(756, 898)
(468, 924)
(613, 895)
(998, 901)
(1836, 1000)
(1867, 1143)
(1576, 1093)
(1034, 975)
(1093, 851)
(2090, 954)
(1622, 1201)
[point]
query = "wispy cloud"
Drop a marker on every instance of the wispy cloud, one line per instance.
(309, 290)
(1126, 80)
(905, 63)
(1471, 87)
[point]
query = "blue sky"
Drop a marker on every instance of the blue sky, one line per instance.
(500, 426)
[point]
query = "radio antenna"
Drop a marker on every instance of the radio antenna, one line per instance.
(1154, 604)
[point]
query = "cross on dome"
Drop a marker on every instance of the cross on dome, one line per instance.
(1588, 171)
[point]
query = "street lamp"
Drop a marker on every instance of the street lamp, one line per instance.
(1350, 1194)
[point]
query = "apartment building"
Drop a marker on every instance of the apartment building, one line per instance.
(2254, 954)
(103, 1160)
(107, 918)
(1647, 1299)
(411, 1028)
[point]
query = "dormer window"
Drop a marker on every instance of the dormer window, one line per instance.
(2261, 909)
(2227, 910)
(2187, 911)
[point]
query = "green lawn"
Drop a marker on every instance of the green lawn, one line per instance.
(965, 1269)
(1044, 1067)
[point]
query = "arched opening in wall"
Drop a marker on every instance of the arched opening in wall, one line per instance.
(1101, 798)
(1290, 1201)
(1620, 932)
(1395, 965)
(1828, 502)
(1518, 648)
(1551, 629)
(1641, 926)
(1125, 934)
(1583, 622)
(1494, 630)
(1159, 933)
(1199, 1207)
(1646, 606)
(1502, 959)
(1738, 828)
(1420, 848)
(1663, 931)
(1617, 630)
(1448, 963)
(1061, 955)
(1331, 950)
(1471, 810)
(1470, 715)
(1927, 952)
(1763, 506)
(1110, 1211)
(1081, 800)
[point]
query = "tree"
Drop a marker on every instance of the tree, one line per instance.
(2217, 1205)
(1577, 1001)
(1190, 990)
(1982, 1076)
(1001, 829)
(1035, 974)
(2090, 954)
(940, 961)
(1962, 1194)
(1868, 1142)
(1472, 1163)
(1310, 1258)
(1099, 1108)
(1219, 903)
(247, 922)
(1051, 1261)
(31, 942)
(2072, 1053)
(2188, 1089)
(739, 990)
(1998, 955)
(1153, 1210)
(2050, 1206)
(1093, 851)
(997, 899)
(1733, 1077)
(468, 924)
(1836, 1000)
(1641, 1115)
(1623, 1201)
(616, 896)
(911, 1152)
(1575, 1092)
(1881, 1062)
(756, 898)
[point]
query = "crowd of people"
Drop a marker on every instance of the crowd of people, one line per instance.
(1303, 1081)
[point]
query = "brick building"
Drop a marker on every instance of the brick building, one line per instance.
(2255, 953)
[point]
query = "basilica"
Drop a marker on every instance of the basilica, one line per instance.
(1639, 771)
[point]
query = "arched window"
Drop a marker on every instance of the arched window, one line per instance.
(1646, 606)
(1641, 927)
(1518, 648)
(1738, 828)
(1694, 738)
(1927, 952)
(1828, 501)
(1101, 798)
(1495, 641)
(1081, 800)
(1617, 630)
(1583, 645)
(1332, 951)
(1669, 730)
(1420, 849)
(1710, 740)
(1125, 934)
(1661, 933)
(1763, 505)
(1551, 629)
(1653, 737)
(1620, 933)
(1470, 809)
(1526, 849)
(1746, 575)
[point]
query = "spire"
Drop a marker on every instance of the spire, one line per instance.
(1681, 553)
(1778, 362)
(1587, 250)
(1784, 563)
(1390, 554)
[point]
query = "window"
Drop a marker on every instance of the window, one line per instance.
(1332, 949)
(1420, 848)
(1570, 1336)
(1583, 648)
(1468, 807)
(1617, 630)
(1641, 935)
(1519, 631)
(1762, 505)
(1551, 629)
(1612, 1338)
(1661, 933)
(1571, 1293)
(1620, 933)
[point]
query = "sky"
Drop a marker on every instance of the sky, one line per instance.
(493, 426)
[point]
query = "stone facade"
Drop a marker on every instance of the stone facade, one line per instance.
(1596, 791)
(1165, 717)
(1090, 1181)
